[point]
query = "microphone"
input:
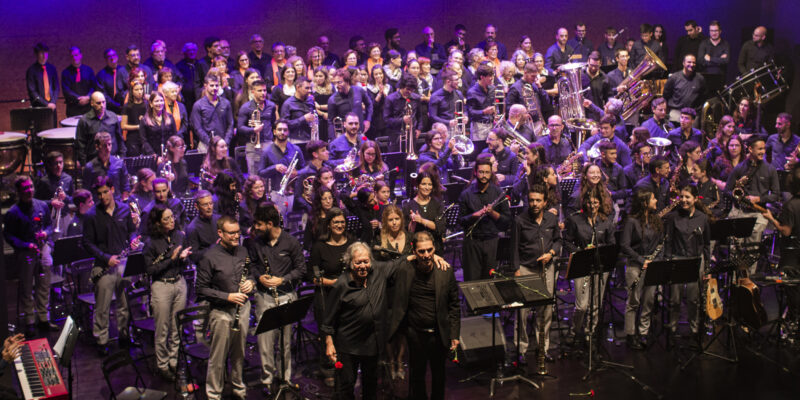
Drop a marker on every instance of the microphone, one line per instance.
(460, 179)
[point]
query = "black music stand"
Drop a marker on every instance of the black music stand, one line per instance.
(593, 263)
(68, 249)
(134, 164)
(276, 318)
(669, 272)
(32, 121)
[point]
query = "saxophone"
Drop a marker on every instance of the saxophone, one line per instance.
(235, 323)
(738, 191)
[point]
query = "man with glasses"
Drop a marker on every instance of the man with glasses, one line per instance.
(713, 55)
(201, 233)
(224, 279)
(347, 99)
(258, 59)
(755, 52)
(556, 147)
(580, 44)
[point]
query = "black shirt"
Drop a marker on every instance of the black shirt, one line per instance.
(155, 136)
(162, 247)
(422, 301)
(88, 126)
(717, 64)
(530, 239)
(284, 259)
(477, 100)
(433, 211)
(661, 189)
(763, 181)
(21, 225)
(107, 235)
(684, 91)
(638, 241)
(687, 236)
(294, 110)
(579, 234)
(219, 274)
(473, 199)
(442, 105)
(394, 109)
(245, 132)
(355, 100)
(201, 234)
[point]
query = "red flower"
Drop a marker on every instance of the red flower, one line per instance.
(376, 207)
(492, 272)
(591, 393)
(364, 138)
(338, 365)
(700, 197)
(37, 219)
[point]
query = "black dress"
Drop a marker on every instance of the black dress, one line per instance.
(133, 139)
(432, 211)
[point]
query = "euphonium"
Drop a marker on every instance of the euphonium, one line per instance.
(338, 126)
(308, 187)
(514, 136)
(349, 162)
(639, 92)
(463, 144)
(533, 107)
(255, 120)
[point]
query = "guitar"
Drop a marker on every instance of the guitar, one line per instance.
(747, 303)
(713, 301)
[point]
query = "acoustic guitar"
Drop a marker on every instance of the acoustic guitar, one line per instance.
(713, 301)
(749, 308)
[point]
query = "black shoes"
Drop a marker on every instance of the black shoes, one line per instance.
(633, 342)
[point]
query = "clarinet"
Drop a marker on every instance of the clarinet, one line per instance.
(273, 290)
(650, 257)
(235, 323)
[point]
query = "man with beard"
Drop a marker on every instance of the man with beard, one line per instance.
(395, 110)
(298, 111)
(97, 120)
(482, 220)
(348, 99)
(134, 58)
(279, 263)
(685, 88)
(78, 82)
(426, 309)
(278, 155)
(252, 132)
(536, 240)
(658, 125)
(560, 52)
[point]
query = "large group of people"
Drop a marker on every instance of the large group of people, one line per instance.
(313, 135)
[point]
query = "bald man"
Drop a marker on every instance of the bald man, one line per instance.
(98, 119)
(560, 52)
(755, 52)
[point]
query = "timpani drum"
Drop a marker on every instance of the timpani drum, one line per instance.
(61, 140)
(71, 121)
(13, 150)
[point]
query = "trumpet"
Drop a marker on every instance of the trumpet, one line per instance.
(338, 126)
(463, 144)
(57, 212)
(255, 120)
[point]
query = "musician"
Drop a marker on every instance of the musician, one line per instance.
(48, 185)
(595, 80)
(278, 155)
(41, 79)
(97, 120)
(642, 155)
(425, 308)
(638, 52)
(163, 197)
(425, 211)
(108, 230)
(211, 44)
(319, 155)
(437, 153)
(83, 201)
(536, 240)
(395, 110)
(28, 229)
(217, 161)
(106, 80)
(165, 258)
(608, 49)
(685, 132)
(459, 33)
(519, 119)
(251, 132)
(103, 164)
(286, 87)
(133, 58)
(787, 225)
(734, 153)
(659, 125)
(278, 264)
(755, 52)
(706, 187)
(688, 234)
(556, 147)
(560, 52)
(211, 115)
(606, 125)
(656, 181)
(189, 69)
(617, 75)
(484, 213)
(142, 191)
(299, 111)
(783, 143)
(78, 83)
(157, 125)
(507, 161)
(725, 130)
(201, 232)
(747, 121)
(442, 105)
(614, 174)
(347, 99)
(691, 153)
(224, 279)
(173, 167)
(685, 88)
(343, 145)
(529, 77)
(394, 241)
(133, 110)
(714, 54)
(431, 50)
(761, 186)
(370, 162)
(532, 169)
(593, 227)
(642, 233)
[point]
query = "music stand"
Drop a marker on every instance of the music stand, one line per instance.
(134, 266)
(276, 318)
(68, 249)
(669, 272)
(134, 164)
(64, 348)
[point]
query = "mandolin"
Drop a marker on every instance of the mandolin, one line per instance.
(713, 301)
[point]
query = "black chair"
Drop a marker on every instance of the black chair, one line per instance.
(82, 292)
(302, 334)
(142, 324)
(192, 323)
(122, 359)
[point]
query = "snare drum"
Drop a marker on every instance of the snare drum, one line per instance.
(61, 140)
(13, 150)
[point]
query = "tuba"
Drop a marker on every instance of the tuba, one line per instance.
(534, 108)
(409, 132)
(640, 92)
(570, 98)
(463, 144)
(255, 120)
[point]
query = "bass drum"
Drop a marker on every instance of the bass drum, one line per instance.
(13, 150)
(765, 82)
(61, 140)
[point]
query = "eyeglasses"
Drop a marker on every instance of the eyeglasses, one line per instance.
(232, 233)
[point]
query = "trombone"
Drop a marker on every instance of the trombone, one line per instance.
(463, 144)
(409, 132)
(499, 106)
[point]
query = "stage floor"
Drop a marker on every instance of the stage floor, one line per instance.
(764, 370)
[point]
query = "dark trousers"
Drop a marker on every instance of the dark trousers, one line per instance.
(347, 375)
(425, 348)
(792, 293)
(478, 257)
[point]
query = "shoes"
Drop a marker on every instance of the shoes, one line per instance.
(549, 358)
(166, 375)
(633, 342)
(47, 326)
(124, 341)
(102, 350)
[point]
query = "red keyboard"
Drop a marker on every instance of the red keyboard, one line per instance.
(38, 372)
